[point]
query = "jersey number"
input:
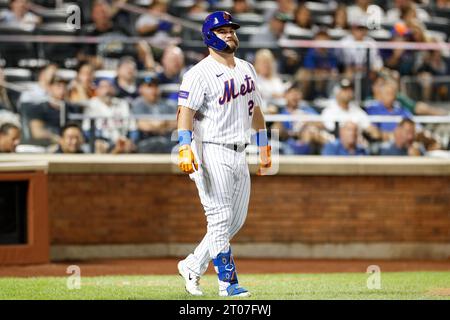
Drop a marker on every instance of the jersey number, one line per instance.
(251, 105)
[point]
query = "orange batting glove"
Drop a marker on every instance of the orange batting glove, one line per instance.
(265, 159)
(186, 159)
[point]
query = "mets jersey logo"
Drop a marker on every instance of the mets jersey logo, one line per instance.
(229, 89)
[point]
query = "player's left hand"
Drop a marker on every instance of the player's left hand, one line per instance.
(265, 159)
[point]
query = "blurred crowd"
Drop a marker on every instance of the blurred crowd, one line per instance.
(101, 96)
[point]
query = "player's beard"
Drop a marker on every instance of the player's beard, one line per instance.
(233, 48)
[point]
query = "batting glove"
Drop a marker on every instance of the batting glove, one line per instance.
(186, 159)
(265, 159)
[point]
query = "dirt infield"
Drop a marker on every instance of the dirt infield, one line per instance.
(168, 266)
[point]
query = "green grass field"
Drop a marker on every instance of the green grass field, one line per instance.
(394, 285)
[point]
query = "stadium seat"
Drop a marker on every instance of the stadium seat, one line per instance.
(442, 13)
(323, 20)
(180, 7)
(4, 4)
(380, 34)
(100, 74)
(17, 74)
(141, 3)
(440, 36)
(13, 52)
(66, 74)
(319, 9)
(337, 34)
(294, 32)
(221, 5)
(265, 6)
(57, 52)
(439, 24)
(244, 33)
(248, 19)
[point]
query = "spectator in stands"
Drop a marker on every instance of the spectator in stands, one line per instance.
(302, 17)
(402, 143)
(145, 58)
(352, 58)
(241, 6)
(39, 92)
(119, 15)
(319, 67)
(442, 4)
(45, 118)
(125, 83)
(340, 18)
(173, 67)
(71, 140)
(360, 10)
(112, 129)
(298, 137)
(5, 103)
(295, 105)
(269, 82)
(9, 137)
(154, 135)
(429, 65)
(346, 144)
(271, 32)
(19, 14)
(198, 6)
(386, 104)
(104, 54)
(82, 88)
(150, 24)
(393, 15)
(287, 7)
(400, 59)
(343, 108)
(419, 107)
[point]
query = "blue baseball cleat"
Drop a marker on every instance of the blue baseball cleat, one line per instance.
(234, 290)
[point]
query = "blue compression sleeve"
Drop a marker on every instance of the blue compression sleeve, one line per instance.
(261, 138)
(184, 137)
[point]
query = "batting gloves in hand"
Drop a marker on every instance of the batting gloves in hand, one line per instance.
(265, 159)
(186, 159)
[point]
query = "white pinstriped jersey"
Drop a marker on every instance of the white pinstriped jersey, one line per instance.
(224, 99)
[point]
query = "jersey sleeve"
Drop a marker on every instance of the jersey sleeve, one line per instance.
(192, 91)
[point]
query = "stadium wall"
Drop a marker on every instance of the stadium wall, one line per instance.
(315, 207)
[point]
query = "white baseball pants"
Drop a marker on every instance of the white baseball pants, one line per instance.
(223, 183)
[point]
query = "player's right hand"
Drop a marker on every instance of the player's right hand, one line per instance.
(186, 159)
(265, 160)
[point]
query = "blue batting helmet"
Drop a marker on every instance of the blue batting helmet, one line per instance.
(213, 21)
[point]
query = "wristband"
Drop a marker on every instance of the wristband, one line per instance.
(184, 137)
(261, 138)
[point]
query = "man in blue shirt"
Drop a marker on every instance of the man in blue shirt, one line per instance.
(403, 142)
(346, 144)
(387, 105)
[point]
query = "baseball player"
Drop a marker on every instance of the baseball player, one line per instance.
(219, 104)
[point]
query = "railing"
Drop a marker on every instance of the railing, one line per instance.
(268, 118)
